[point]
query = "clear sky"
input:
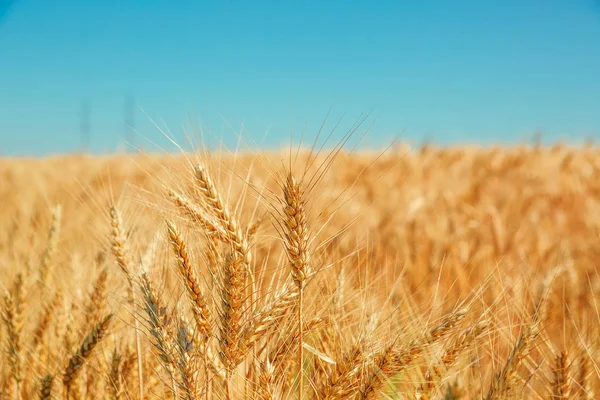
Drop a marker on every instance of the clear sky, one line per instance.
(448, 70)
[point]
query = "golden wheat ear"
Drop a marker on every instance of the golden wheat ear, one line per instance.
(340, 383)
(235, 272)
(233, 231)
(52, 244)
(12, 317)
(297, 239)
(84, 352)
(266, 383)
(45, 392)
(114, 381)
(561, 384)
(198, 303)
(157, 319)
(504, 383)
(118, 241)
(458, 345)
(391, 360)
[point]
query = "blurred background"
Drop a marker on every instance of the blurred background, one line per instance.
(102, 76)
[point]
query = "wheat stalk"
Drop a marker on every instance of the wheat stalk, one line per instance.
(120, 251)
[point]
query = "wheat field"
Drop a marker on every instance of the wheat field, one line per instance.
(427, 273)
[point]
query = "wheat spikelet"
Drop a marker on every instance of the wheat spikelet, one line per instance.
(235, 272)
(66, 327)
(198, 215)
(456, 391)
(12, 317)
(282, 354)
(44, 321)
(391, 361)
(52, 244)
(504, 382)
(115, 383)
(296, 244)
(262, 321)
(185, 366)
(84, 351)
(296, 235)
(127, 366)
(40, 349)
(458, 345)
(232, 301)
(266, 385)
(341, 383)
(254, 227)
(96, 304)
(221, 212)
(158, 321)
(199, 306)
(45, 392)
(119, 242)
(119, 248)
(561, 386)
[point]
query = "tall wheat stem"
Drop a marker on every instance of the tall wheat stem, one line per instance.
(296, 245)
(120, 251)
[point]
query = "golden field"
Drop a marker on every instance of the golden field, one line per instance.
(431, 273)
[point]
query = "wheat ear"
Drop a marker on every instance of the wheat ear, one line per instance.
(199, 306)
(296, 245)
(197, 215)
(391, 361)
(561, 385)
(266, 384)
(12, 316)
(458, 345)
(84, 352)
(233, 232)
(503, 383)
(221, 212)
(96, 304)
(46, 388)
(340, 383)
(157, 320)
(114, 375)
(52, 244)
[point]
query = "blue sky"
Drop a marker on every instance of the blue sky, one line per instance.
(450, 71)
